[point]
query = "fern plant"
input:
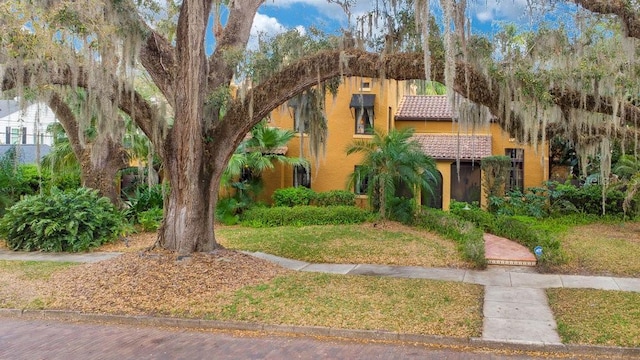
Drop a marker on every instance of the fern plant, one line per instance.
(71, 221)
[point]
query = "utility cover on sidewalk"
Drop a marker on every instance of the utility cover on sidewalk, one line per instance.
(501, 251)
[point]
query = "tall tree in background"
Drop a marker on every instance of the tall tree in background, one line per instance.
(99, 158)
(96, 45)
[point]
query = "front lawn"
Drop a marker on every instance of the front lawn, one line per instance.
(604, 248)
(362, 302)
(393, 244)
(236, 287)
(587, 316)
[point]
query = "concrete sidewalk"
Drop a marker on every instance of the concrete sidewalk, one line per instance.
(505, 276)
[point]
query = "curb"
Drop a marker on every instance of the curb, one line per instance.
(347, 334)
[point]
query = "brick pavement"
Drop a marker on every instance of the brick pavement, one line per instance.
(43, 339)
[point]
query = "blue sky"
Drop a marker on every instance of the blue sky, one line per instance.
(278, 15)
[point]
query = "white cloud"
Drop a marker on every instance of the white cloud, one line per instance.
(301, 29)
(509, 10)
(266, 25)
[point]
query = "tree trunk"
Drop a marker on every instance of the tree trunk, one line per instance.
(100, 173)
(189, 208)
(99, 161)
(188, 220)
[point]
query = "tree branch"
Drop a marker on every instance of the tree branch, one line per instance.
(304, 74)
(68, 121)
(129, 101)
(234, 36)
(629, 17)
(158, 57)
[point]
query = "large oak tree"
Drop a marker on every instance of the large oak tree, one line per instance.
(204, 132)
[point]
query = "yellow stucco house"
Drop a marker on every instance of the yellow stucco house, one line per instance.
(364, 104)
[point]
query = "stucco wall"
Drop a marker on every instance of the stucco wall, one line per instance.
(331, 171)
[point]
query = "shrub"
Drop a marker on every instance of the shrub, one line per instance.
(335, 198)
(482, 219)
(496, 169)
(144, 198)
(151, 219)
(401, 209)
(516, 228)
(63, 221)
(468, 237)
(66, 181)
(227, 211)
(519, 231)
(293, 196)
(587, 199)
(33, 179)
(304, 215)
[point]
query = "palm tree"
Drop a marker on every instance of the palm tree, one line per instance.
(392, 161)
(61, 159)
(256, 154)
(627, 166)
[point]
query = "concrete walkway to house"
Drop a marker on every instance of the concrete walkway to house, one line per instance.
(515, 304)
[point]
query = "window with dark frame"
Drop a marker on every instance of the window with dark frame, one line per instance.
(363, 113)
(16, 135)
(364, 121)
(516, 174)
(361, 185)
(301, 176)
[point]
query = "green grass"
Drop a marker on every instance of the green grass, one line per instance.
(607, 248)
(33, 270)
(587, 316)
(362, 302)
(396, 245)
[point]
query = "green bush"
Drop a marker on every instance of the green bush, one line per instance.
(33, 179)
(293, 196)
(63, 221)
(520, 229)
(515, 229)
(304, 215)
(401, 209)
(227, 211)
(144, 198)
(335, 198)
(66, 181)
(468, 237)
(482, 219)
(151, 219)
(533, 202)
(588, 199)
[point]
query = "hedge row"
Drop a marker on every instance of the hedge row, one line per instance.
(468, 237)
(512, 228)
(304, 215)
(295, 196)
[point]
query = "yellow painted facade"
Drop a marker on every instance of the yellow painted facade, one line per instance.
(331, 171)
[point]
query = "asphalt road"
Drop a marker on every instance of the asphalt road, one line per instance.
(38, 339)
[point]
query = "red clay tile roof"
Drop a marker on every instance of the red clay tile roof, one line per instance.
(424, 107)
(282, 150)
(448, 146)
